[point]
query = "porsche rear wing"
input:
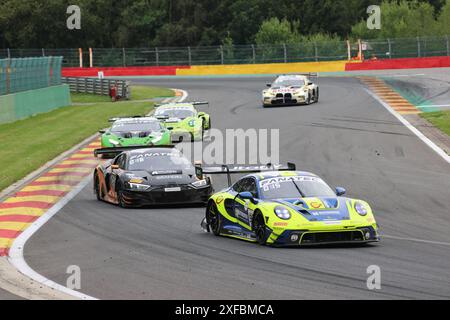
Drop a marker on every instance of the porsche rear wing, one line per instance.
(118, 150)
(229, 170)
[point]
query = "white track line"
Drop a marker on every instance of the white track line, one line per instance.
(16, 257)
(419, 134)
(417, 240)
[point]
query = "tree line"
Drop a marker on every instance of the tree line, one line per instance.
(169, 23)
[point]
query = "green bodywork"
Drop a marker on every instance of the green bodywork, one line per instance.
(155, 138)
(195, 124)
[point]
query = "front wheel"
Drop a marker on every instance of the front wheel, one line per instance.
(97, 187)
(317, 95)
(259, 227)
(213, 218)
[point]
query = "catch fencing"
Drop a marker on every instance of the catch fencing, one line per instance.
(307, 51)
(23, 74)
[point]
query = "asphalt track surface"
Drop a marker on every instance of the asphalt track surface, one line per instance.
(348, 138)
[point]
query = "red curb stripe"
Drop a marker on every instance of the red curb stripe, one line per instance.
(51, 183)
(9, 234)
(80, 159)
(26, 204)
(66, 173)
(77, 165)
(51, 193)
(18, 218)
(4, 252)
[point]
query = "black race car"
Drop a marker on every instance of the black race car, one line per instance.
(143, 176)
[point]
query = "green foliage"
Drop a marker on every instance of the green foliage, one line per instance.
(163, 23)
(274, 31)
(400, 20)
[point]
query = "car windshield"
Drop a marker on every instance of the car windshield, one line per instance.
(158, 161)
(294, 187)
(175, 113)
(148, 126)
(288, 83)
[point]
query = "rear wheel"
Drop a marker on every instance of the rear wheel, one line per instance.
(213, 218)
(259, 227)
(317, 95)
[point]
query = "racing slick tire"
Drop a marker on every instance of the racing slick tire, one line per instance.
(316, 96)
(308, 101)
(213, 218)
(120, 200)
(259, 227)
(97, 188)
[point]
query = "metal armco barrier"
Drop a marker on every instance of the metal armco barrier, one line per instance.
(98, 86)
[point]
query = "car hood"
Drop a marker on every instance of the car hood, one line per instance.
(320, 208)
(164, 177)
(285, 89)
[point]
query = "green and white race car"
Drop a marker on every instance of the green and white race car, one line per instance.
(183, 120)
(135, 131)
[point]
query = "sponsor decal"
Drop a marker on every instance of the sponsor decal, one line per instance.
(280, 224)
(316, 205)
(219, 199)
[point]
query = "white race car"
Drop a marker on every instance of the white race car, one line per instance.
(291, 90)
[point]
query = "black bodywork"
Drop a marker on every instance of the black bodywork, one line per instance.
(118, 182)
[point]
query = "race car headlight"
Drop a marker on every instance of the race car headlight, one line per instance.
(137, 186)
(200, 183)
(114, 142)
(157, 137)
(282, 213)
(360, 208)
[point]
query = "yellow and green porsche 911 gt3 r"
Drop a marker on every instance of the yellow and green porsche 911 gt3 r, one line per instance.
(287, 208)
(183, 120)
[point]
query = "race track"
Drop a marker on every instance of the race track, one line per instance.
(348, 138)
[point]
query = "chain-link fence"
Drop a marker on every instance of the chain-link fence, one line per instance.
(407, 47)
(243, 54)
(22, 74)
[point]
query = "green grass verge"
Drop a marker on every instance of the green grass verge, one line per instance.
(137, 93)
(440, 119)
(28, 144)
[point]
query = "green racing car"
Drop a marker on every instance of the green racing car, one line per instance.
(135, 131)
(287, 208)
(183, 120)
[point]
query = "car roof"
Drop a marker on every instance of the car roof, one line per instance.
(273, 174)
(291, 77)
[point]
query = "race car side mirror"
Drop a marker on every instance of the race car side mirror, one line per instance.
(102, 131)
(201, 114)
(310, 83)
(246, 195)
(340, 191)
(198, 171)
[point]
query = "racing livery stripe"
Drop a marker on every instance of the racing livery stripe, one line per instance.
(19, 211)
